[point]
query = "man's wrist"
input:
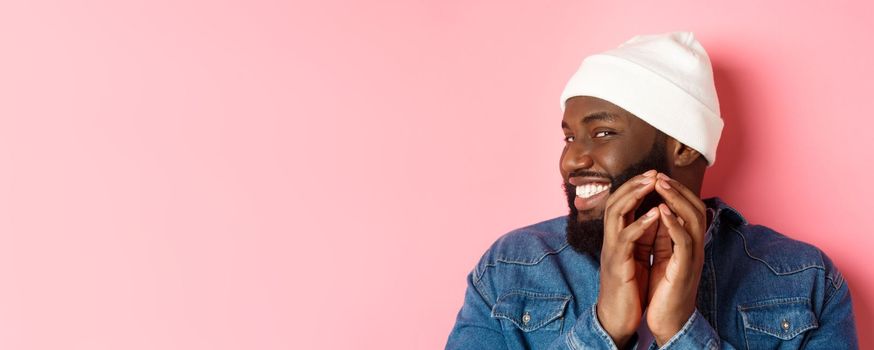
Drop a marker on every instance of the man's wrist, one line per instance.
(696, 333)
(670, 329)
(663, 337)
(620, 340)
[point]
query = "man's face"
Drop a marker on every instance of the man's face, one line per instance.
(604, 147)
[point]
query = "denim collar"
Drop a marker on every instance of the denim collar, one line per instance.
(721, 214)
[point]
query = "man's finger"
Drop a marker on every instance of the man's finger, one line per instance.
(685, 192)
(635, 230)
(663, 247)
(682, 207)
(630, 185)
(616, 214)
(683, 244)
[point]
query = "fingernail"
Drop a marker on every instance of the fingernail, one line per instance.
(663, 176)
(647, 180)
(651, 213)
(651, 172)
(665, 210)
(664, 184)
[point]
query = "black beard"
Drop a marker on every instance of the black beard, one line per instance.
(588, 236)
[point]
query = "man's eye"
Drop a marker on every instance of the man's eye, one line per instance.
(603, 134)
(568, 139)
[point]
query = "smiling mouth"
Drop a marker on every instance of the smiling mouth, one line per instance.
(591, 189)
(591, 195)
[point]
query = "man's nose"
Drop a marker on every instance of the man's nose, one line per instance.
(578, 157)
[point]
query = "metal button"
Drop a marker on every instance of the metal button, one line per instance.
(785, 324)
(526, 318)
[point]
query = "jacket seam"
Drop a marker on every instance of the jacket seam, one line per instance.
(774, 301)
(483, 294)
(568, 339)
(835, 290)
(552, 317)
(532, 263)
(777, 302)
(535, 261)
(686, 329)
(778, 273)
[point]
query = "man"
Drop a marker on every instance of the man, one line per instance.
(641, 262)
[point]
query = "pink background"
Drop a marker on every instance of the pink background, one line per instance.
(323, 174)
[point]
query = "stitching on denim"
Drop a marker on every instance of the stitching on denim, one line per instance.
(722, 207)
(482, 292)
(839, 277)
(777, 302)
(777, 334)
(682, 331)
(711, 345)
(600, 329)
(557, 313)
(713, 229)
(836, 282)
(535, 261)
(832, 281)
(570, 341)
(830, 290)
(831, 295)
(482, 272)
(528, 328)
(750, 255)
(536, 294)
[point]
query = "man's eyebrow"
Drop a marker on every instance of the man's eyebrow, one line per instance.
(595, 116)
(600, 116)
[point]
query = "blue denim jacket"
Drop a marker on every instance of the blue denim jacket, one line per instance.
(759, 290)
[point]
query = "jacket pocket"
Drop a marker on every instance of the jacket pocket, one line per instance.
(530, 311)
(772, 323)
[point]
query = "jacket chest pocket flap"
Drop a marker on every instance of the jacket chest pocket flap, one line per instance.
(531, 311)
(783, 318)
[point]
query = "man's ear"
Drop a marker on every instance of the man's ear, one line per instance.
(682, 155)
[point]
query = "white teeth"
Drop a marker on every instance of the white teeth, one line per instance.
(588, 190)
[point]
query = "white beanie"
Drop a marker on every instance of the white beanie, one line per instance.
(666, 80)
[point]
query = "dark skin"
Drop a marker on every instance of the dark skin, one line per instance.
(673, 233)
